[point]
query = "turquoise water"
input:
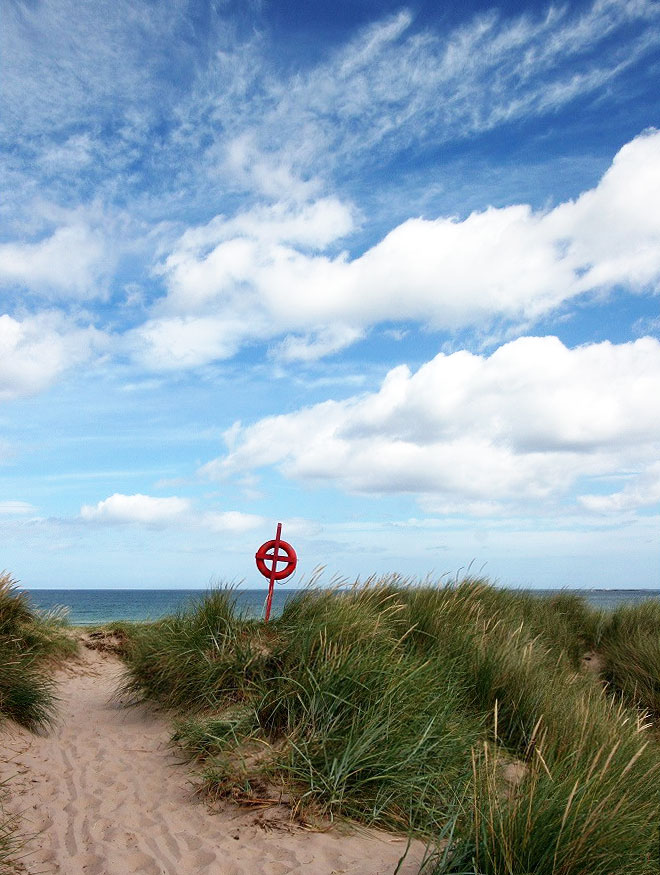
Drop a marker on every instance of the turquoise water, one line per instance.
(103, 605)
(87, 606)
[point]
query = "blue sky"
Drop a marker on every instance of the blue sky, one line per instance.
(387, 273)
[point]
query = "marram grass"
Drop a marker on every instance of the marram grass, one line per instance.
(629, 643)
(10, 843)
(460, 714)
(30, 643)
(29, 640)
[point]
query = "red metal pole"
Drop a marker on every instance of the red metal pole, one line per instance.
(271, 584)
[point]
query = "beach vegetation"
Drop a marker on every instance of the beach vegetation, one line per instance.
(31, 642)
(629, 646)
(462, 714)
(10, 841)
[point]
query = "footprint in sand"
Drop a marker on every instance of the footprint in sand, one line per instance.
(111, 798)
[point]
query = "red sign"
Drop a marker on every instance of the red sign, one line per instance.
(275, 552)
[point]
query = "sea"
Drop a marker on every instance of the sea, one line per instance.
(94, 606)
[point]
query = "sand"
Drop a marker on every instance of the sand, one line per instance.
(103, 793)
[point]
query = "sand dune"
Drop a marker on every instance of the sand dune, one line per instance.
(103, 794)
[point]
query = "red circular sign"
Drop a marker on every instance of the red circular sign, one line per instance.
(270, 552)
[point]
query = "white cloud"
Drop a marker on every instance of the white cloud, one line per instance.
(475, 434)
(36, 350)
(172, 343)
(311, 225)
(316, 344)
(258, 275)
(163, 512)
(72, 261)
(137, 508)
(215, 111)
(231, 521)
(69, 156)
(242, 161)
(394, 85)
(16, 508)
(218, 259)
(397, 86)
(642, 491)
(91, 56)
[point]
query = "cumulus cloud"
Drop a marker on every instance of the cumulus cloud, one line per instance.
(277, 273)
(312, 225)
(70, 262)
(160, 512)
(137, 508)
(36, 350)
(474, 434)
(179, 342)
(261, 275)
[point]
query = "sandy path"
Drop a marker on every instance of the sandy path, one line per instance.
(107, 796)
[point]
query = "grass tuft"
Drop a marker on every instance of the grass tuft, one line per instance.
(31, 642)
(629, 644)
(457, 713)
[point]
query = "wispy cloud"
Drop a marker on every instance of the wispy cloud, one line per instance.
(90, 100)
(396, 86)
(16, 508)
(178, 115)
(150, 101)
(121, 126)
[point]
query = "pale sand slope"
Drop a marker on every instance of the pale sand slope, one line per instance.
(108, 796)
